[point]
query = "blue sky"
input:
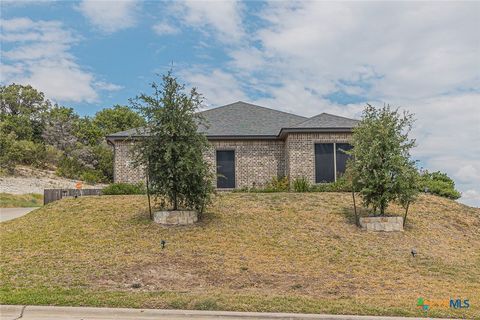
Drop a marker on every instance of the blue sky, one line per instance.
(301, 57)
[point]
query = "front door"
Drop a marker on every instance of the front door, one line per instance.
(225, 169)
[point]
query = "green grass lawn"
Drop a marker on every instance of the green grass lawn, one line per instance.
(8, 200)
(282, 252)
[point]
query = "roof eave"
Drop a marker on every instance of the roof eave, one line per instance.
(285, 131)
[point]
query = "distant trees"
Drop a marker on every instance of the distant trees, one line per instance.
(35, 132)
(173, 152)
(381, 168)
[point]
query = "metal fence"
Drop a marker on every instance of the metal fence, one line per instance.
(50, 195)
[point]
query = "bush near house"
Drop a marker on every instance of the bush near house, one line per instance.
(438, 183)
(124, 189)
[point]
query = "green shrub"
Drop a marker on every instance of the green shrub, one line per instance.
(124, 188)
(69, 167)
(341, 185)
(277, 185)
(301, 184)
(438, 183)
(91, 176)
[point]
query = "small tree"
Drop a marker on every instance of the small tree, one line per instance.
(381, 167)
(172, 150)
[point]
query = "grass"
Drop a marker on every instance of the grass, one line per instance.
(286, 252)
(8, 200)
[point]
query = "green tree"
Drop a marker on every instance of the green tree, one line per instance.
(173, 150)
(22, 110)
(60, 128)
(118, 118)
(382, 170)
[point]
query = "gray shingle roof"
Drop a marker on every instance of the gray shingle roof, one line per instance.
(245, 119)
(326, 120)
(248, 120)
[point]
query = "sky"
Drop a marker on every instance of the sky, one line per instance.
(300, 57)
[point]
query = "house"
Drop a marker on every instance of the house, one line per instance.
(251, 144)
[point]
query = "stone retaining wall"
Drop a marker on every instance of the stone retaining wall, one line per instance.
(178, 217)
(382, 223)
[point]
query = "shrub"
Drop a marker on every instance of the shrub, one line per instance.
(438, 183)
(277, 185)
(301, 184)
(69, 167)
(124, 188)
(91, 176)
(341, 185)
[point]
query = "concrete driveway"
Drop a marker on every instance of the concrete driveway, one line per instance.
(12, 213)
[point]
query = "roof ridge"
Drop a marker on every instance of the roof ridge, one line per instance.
(255, 105)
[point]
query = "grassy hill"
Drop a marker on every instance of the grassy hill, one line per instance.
(251, 252)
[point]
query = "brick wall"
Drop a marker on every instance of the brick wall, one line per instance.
(300, 152)
(256, 161)
(123, 168)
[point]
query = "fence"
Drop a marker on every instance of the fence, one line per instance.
(50, 195)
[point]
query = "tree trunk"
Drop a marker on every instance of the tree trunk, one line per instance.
(148, 196)
(405, 216)
(355, 209)
(175, 200)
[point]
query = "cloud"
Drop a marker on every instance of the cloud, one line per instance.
(39, 55)
(163, 28)
(109, 16)
(217, 86)
(421, 56)
(471, 197)
(222, 19)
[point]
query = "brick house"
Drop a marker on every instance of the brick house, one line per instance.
(251, 144)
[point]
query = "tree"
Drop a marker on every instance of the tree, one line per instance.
(173, 150)
(60, 128)
(22, 109)
(381, 167)
(118, 118)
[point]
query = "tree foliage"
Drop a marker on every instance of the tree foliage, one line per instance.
(35, 132)
(173, 150)
(118, 118)
(382, 170)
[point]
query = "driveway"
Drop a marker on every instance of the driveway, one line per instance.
(12, 213)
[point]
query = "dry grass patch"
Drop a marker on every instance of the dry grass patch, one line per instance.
(257, 252)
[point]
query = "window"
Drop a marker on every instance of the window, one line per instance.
(324, 163)
(330, 161)
(341, 157)
(225, 169)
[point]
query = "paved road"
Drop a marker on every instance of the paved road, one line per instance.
(12, 213)
(87, 313)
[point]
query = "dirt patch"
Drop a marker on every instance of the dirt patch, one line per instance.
(29, 180)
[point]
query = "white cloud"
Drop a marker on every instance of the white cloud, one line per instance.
(109, 16)
(421, 56)
(471, 197)
(223, 19)
(163, 28)
(217, 86)
(40, 56)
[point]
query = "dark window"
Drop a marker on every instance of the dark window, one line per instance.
(324, 164)
(342, 157)
(225, 169)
